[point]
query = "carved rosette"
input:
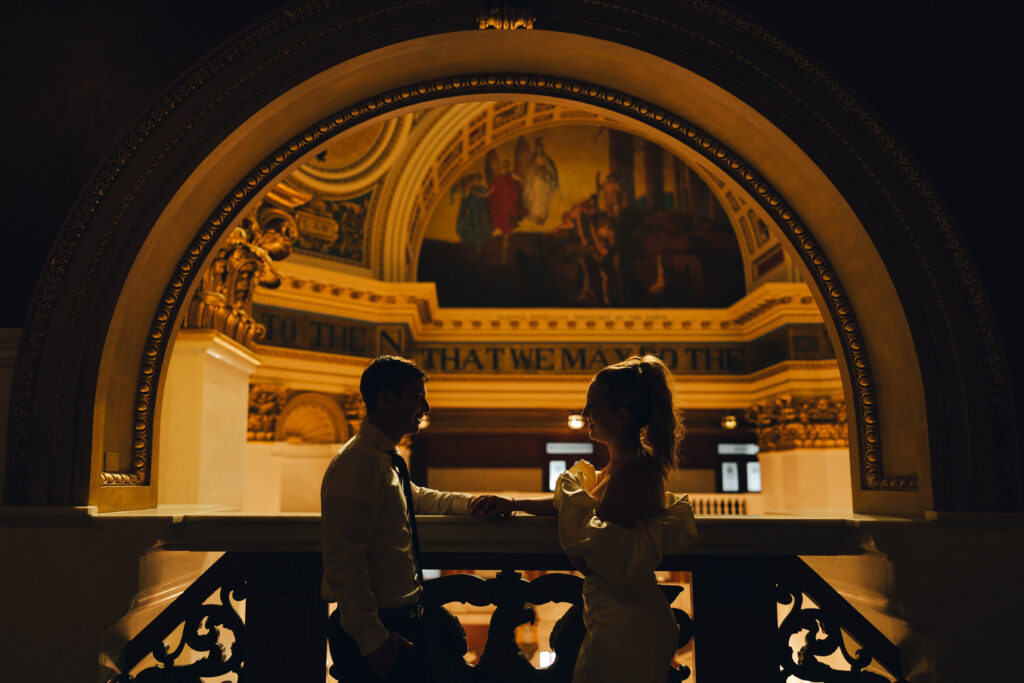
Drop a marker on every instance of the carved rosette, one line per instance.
(224, 300)
(784, 423)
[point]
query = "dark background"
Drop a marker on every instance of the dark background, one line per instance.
(944, 75)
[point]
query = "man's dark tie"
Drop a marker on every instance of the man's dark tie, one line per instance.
(403, 475)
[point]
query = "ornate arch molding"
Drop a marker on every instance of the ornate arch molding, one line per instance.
(49, 457)
(852, 345)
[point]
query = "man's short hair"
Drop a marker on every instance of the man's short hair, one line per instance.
(387, 373)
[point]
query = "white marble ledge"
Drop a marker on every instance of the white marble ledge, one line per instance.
(752, 535)
(206, 528)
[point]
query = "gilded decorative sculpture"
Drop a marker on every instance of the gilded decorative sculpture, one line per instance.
(783, 423)
(224, 300)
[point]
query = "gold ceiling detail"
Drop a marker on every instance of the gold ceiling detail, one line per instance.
(506, 16)
(351, 164)
(415, 304)
(224, 299)
(281, 413)
(786, 423)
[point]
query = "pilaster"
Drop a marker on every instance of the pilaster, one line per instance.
(203, 420)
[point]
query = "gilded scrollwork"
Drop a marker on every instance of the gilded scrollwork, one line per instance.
(784, 423)
(224, 300)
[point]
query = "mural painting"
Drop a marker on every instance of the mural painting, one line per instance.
(580, 216)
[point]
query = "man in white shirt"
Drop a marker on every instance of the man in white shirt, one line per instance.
(369, 543)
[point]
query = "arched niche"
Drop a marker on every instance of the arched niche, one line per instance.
(885, 260)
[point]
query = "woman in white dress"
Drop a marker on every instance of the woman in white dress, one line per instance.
(617, 523)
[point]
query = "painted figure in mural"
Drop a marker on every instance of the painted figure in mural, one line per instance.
(601, 261)
(611, 196)
(599, 280)
(473, 224)
(539, 183)
(616, 524)
(506, 194)
(598, 245)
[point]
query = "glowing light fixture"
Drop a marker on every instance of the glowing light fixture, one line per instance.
(575, 422)
(729, 421)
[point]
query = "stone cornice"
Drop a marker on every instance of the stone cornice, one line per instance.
(415, 304)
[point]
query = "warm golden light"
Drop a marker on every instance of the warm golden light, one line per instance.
(425, 421)
(729, 422)
(575, 422)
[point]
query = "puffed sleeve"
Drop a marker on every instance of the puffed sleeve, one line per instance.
(618, 554)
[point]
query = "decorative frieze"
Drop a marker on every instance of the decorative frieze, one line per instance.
(346, 296)
(784, 423)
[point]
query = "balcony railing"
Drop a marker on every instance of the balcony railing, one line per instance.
(759, 612)
(726, 503)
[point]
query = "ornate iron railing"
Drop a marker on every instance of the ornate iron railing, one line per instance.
(755, 618)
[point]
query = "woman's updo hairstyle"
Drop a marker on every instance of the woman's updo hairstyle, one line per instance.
(643, 386)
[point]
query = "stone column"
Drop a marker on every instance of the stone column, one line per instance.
(202, 429)
(804, 454)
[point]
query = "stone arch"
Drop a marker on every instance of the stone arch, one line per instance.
(804, 143)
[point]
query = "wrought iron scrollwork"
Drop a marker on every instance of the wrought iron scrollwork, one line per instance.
(204, 630)
(823, 638)
(502, 660)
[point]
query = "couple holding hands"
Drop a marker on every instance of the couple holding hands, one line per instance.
(614, 524)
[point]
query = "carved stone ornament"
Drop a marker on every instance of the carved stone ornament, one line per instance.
(265, 403)
(506, 15)
(224, 299)
(784, 423)
(355, 410)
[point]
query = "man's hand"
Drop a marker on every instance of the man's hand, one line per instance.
(382, 660)
(491, 507)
